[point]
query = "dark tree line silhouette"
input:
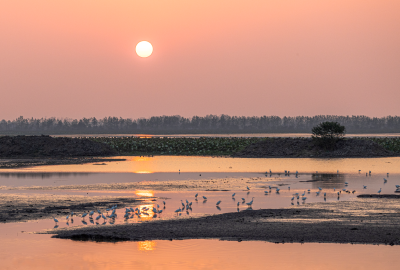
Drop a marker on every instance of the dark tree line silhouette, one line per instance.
(196, 124)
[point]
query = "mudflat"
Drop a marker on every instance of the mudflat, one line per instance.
(31, 162)
(369, 221)
(21, 207)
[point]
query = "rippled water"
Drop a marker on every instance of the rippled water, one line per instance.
(22, 250)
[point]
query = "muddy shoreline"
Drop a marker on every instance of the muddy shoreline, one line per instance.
(32, 162)
(372, 221)
(16, 208)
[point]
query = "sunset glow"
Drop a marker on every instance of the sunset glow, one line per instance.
(205, 134)
(245, 55)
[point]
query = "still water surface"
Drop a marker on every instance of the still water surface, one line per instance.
(22, 250)
(164, 164)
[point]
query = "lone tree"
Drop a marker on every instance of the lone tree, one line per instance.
(327, 134)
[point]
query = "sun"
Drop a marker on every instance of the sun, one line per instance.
(144, 49)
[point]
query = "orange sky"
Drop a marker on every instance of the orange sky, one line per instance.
(76, 58)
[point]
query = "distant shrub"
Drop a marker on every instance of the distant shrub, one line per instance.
(327, 134)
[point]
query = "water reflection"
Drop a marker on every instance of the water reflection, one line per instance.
(225, 164)
(146, 245)
(326, 180)
(145, 212)
(144, 193)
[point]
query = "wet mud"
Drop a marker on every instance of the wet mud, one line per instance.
(31, 162)
(17, 207)
(389, 196)
(367, 221)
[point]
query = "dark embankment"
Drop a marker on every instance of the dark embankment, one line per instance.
(305, 147)
(387, 196)
(46, 146)
(371, 221)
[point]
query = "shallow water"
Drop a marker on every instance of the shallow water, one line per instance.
(17, 252)
(146, 165)
(22, 250)
(289, 185)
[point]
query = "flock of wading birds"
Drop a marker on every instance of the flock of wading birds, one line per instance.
(110, 213)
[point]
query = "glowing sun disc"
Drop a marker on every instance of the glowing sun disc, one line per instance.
(144, 49)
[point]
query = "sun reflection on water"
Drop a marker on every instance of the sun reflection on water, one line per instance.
(144, 193)
(146, 215)
(146, 245)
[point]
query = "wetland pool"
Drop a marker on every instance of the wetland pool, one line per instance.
(215, 178)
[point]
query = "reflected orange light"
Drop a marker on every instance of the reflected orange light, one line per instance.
(146, 245)
(142, 158)
(144, 193)
(143, 172)
(146, 215)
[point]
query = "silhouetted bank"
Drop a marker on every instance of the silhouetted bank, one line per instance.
(46, 146)
(75, 150)
(305, 148)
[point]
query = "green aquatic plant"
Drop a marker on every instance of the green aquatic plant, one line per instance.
(203, 146)
(389, 143)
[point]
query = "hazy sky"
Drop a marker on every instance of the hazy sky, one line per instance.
(77, 58)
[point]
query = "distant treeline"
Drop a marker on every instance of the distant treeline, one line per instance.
(196, 124)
